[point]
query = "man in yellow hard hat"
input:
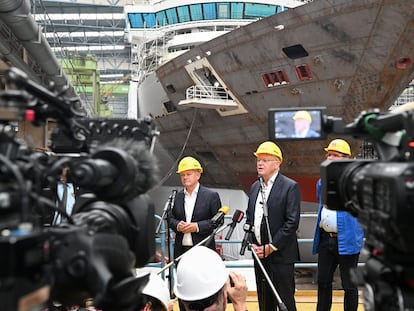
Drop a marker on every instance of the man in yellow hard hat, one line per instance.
(303, 121)
(274, 210)
(338, 241)
(194, 207)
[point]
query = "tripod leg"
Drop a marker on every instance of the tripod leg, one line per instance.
(268, 284)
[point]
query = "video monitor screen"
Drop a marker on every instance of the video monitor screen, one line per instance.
(296, 123)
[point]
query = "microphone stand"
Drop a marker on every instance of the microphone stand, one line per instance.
(166, 211)
(216, 231)
(281, 304)
(166, 216)
(265, 208)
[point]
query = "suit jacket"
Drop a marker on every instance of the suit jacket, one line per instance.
(283, 214)
(206, 206)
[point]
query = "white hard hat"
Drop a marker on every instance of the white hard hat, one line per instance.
(157, 288)
(200, 273)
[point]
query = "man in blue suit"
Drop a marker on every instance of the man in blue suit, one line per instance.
(274, 210)
(194, 207)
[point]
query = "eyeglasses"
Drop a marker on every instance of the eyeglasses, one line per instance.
(266, 160)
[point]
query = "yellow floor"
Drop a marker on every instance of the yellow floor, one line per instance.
(305, 301)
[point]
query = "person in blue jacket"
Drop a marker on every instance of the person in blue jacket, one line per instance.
(338, 239)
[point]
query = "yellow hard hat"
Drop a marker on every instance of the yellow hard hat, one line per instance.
(269, 147)
(302, 114)
(339, 145)
(189, 163)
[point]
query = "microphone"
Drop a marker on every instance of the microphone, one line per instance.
(261, 181)
(172, 197)
(167, 207)
(248, 229)
(237, 217)
(218, 219)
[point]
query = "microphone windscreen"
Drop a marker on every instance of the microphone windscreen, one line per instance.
(237, 215)
(134, 180)
(224, 210)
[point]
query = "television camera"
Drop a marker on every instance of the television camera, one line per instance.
(380, 193)
(111, 231)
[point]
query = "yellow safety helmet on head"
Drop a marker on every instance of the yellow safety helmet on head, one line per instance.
(189, 163)
(339, 145)
(302, 114)
(269, 147)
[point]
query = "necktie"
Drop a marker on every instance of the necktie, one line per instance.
(64, 196)
(263, 232)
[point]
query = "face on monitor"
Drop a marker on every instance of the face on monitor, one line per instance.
(296, 123)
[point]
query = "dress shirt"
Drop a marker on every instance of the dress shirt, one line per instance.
(70, 200)
(258, 211)
(328, 220)
(189, 203)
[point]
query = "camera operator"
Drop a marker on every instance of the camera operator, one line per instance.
(155, 295)
(338, 240)
(204, 283)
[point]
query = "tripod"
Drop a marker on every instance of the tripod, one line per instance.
(165, 216)
(280, 303)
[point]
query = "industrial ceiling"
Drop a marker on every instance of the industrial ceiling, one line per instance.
(71, 28)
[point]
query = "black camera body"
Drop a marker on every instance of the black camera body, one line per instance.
(93, 253)
(372, 191)
(380, 192)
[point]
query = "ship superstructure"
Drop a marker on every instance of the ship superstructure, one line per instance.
(159, 31)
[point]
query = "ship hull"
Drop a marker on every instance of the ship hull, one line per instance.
(346, 60)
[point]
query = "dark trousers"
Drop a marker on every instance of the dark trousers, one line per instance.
(328, 261)
(283, 279)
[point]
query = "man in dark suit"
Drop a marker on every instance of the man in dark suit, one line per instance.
(65, 195)
(194, 207)
(274, 210)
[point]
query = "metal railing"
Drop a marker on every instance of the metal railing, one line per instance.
(161, 240)
(207, 92)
